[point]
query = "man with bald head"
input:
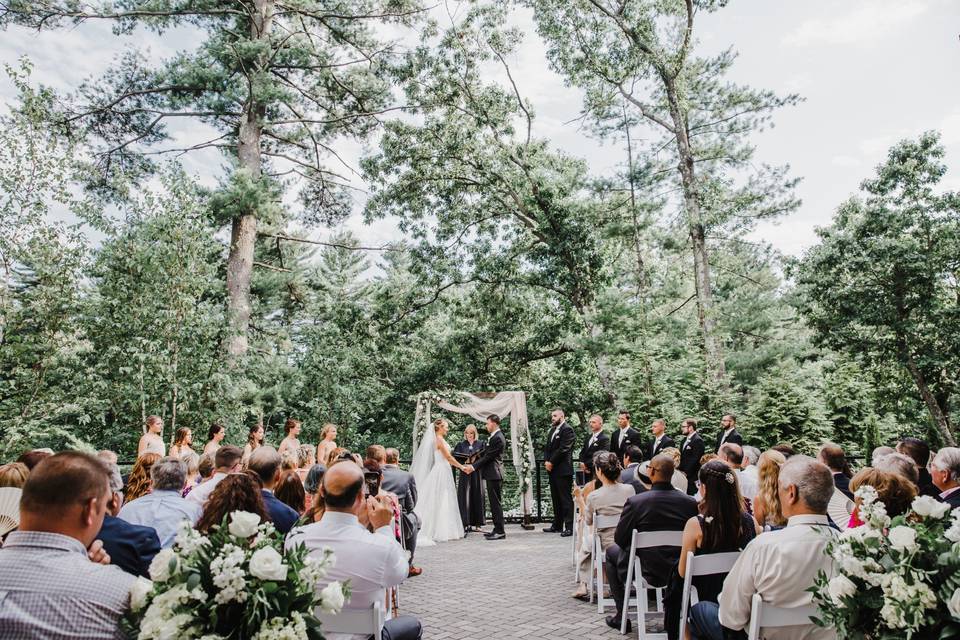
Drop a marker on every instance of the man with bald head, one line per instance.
(372, 562)
(49, 588)
(732, 454)
(662, 508)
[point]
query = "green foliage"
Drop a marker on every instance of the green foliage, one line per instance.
(784, 407)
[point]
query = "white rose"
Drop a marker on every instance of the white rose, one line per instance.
(267, 564)
(160, 570)
(927, 507)
(139, 591)
(953, 605)
(332, 598)
(840, 587)
(243, 524)
(903, 538)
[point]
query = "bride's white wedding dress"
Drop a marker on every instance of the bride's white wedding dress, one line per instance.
(437, 500)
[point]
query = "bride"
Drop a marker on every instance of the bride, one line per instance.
(437, 506)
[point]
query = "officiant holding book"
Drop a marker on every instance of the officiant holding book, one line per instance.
(470, 486)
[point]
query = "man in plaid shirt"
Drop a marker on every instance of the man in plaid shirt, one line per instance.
(49, 588)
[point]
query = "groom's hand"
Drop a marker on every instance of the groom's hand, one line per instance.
(468, 469)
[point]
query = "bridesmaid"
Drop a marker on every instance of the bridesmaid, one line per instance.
(182, 442)
(151, 441)
(215, 434)
(328, 442)
(470, 487)
(254, 441)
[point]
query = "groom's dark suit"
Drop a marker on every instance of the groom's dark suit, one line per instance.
(558, 451)
(490, 467)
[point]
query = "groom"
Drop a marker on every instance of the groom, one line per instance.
(490, 466)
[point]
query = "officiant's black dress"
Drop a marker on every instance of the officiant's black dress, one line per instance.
(470, 486)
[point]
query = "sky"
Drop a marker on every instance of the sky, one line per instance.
(871, 72)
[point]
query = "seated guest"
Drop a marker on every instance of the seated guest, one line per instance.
(130, 546)
(832, 456)
(732, 454)
(289, 491)
(786, 449)
(879, 452)
(164, 508)
(721, 527)
(138, 484)
(290, 460)
(893, 490)
(766, 506)
(236, 492)
(225, 461)
(779, 565)
(372, 562)
(402, 484)
(945, 472)
(207, 467)
(901, 465)
(919, 451)
(305, 459)
(334, 456)
(49, 588)
(662, 508)
(13, 475)
(608, 500)
(110, 457)
(191, 461)
(33, 458)
(312, 489)
(679, 480)
(265, 462)
(632, 458)
(12, 478)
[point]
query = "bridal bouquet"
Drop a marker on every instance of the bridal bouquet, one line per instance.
(896, 578)
(237, 583)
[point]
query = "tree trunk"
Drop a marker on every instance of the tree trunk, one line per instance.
(940, 418)
(701, 263)
(243, 234)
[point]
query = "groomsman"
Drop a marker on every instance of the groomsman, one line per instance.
(558, 454)
(729, 434)
(690, 453)
(596, 441)
(661, 441)
(624, 436)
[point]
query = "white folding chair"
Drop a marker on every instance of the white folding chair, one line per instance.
(600, 522)
(705, 565)
(368, 622)
(764, 616)
(635, 579)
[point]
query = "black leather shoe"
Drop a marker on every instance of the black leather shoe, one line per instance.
(614, 623)
(496, 536)
(566, 534)
(551, 529)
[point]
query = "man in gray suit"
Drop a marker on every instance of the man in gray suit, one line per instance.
(400, 482)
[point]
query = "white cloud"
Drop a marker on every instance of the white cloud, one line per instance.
(868, 21)
(845, 161)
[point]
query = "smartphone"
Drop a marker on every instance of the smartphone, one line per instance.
(371, 483)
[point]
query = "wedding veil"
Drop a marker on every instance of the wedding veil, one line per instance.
(423, 457)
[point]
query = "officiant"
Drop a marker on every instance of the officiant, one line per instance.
(470, 487)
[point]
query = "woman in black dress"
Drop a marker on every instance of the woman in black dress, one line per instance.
(470, 486)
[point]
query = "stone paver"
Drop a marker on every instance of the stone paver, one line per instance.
(474, 589)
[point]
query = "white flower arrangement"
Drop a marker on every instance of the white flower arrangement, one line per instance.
(896, 577)
(239, 583)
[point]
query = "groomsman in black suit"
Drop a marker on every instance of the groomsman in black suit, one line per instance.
(624, 436)
(595, 442)
(490, 466)
(690, 453)
(729, 433)
(558, 454)
(661, 441)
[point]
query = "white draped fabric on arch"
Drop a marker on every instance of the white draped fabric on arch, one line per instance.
(479, 406)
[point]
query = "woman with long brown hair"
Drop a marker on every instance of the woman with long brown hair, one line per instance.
(722, 526)
(289, 491)
(236, 492)
(138, 484)
(215, 435)
(766, 506)
(182, 442)
(254, 441)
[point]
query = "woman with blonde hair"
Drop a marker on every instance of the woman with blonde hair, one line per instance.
(766, 506)
(192, 461)
(138, 484)
(305, 460)
(328, 442)
(13, 475)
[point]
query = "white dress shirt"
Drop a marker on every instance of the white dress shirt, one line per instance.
(201, 493)
(780, 566)
(372, 562)
(749, 483)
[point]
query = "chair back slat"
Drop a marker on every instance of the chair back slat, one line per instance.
(605, 522)
(711, 563)
(646, 539)
(763, 615)
(360, 621)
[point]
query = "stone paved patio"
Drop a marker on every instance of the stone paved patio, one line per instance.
(520, 587)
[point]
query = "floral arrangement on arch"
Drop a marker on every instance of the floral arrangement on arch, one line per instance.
(237, 583)
(896, 578)
(427, 398)
(526, 469)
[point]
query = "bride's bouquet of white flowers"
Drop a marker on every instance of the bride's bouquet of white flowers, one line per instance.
(894, 578)
(238, 583)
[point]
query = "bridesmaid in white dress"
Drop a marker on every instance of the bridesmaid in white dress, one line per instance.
(151, 441)
(437, 505)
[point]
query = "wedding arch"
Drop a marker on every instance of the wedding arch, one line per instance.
(479, 406)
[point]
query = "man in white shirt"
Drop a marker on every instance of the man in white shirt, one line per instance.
(732, 454)
(945, 471)
(779, 565)
(372, 562)
(226, 461)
